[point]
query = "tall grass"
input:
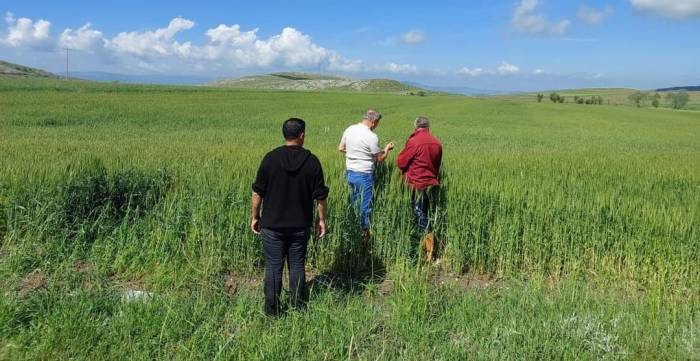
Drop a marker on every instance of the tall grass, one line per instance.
(527, 187)
(586, 221)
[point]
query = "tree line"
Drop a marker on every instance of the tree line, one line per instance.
(557, 98)
(677, 100)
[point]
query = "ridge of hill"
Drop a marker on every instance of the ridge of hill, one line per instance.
(12, 69)
(316, 82)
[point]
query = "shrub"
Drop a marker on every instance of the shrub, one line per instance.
(92, 192)
(678, 100)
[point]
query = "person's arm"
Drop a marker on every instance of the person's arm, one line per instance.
(320, 194)
(341, 146)
(256, 201)
(259, 188)
(405, 158)
(381, 156)
(321, 206)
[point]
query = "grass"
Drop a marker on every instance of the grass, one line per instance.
(584, 220)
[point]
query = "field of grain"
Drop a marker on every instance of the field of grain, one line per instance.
(556, 222)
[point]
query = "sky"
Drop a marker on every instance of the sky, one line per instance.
(508, 45)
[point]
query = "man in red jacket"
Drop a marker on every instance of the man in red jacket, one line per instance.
(419, 162)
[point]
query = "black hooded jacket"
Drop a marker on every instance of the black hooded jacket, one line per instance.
(289, 179)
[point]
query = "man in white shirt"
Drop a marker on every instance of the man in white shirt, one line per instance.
(362, 151)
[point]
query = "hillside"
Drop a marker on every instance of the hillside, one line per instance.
(678, 88)
(11, 69)
(316, 82)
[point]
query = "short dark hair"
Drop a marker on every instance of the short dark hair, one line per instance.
(293, 127)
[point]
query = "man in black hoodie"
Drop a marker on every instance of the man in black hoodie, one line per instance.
(289, 179)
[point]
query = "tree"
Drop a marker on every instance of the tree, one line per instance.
(540, 96)
(679, 99)
(554, 97)
(638, 98)
(562, 99)
(655, 100)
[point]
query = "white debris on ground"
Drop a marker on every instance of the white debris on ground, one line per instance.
(135, 295)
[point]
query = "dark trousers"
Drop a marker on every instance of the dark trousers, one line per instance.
(280, 245)
(420, 200)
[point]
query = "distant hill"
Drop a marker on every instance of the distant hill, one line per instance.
(142, 79)
(679, 88)
(316, 82)
(10, 69)
(459, 89)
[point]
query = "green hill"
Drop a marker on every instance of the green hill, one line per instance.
(11, 69)
(316, 82)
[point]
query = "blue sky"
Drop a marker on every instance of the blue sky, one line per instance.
(501, 45)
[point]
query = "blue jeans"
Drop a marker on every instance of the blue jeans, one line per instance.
(361, 185)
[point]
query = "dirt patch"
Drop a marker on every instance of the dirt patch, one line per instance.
(33, 282)
(386, 287)
(81, 266)
(467, 282)
(233, 283)
(129, 284)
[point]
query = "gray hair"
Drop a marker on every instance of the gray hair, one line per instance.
(373, 115)
(422, 122)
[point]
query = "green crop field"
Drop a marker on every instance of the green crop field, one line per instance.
(566, 231)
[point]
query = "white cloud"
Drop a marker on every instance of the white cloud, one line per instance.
(85, 38)
(413, 37)
(593, 16)
(291, 48)
(470, 72)
(507, 68)
(399, 68)
(527, 19)
(538, 72)
(503, 69)
(153, 43)
(669, 8)
(226, 47)
(25, 32)
(339, 63)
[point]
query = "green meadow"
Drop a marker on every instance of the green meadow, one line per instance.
(565, 231)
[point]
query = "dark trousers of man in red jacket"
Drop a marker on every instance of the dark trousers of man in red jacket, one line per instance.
(420, 162)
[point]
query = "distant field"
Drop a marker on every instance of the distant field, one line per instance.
(614, 96)
(566, 231)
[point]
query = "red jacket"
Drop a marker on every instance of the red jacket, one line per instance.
(420, 159)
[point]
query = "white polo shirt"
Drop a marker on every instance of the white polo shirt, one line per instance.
(361, 145)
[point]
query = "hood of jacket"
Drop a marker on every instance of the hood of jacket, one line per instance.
(293, 157)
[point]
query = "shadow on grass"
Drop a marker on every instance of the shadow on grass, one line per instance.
(355, 264)
(348, 281)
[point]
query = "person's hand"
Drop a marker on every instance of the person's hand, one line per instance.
(389, 146)
(255, 225)
(320, 228)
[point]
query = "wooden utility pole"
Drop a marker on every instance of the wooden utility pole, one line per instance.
(67, 50)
